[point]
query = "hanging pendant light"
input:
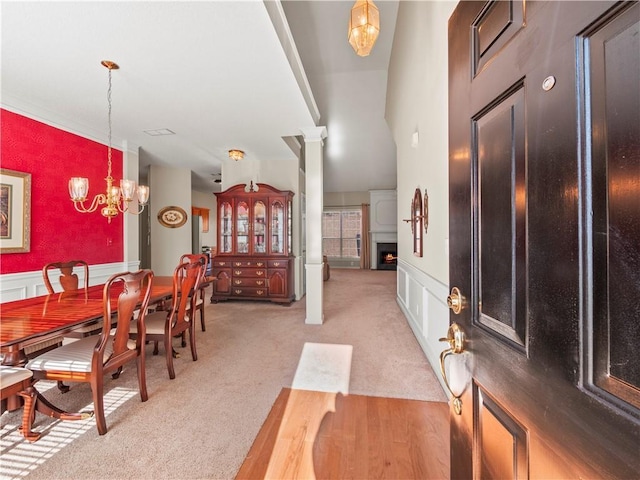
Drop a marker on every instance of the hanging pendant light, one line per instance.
(116, 199)
(364, 26)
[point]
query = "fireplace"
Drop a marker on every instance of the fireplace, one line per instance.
(387, 256)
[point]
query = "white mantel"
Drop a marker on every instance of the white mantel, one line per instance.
(383, 219)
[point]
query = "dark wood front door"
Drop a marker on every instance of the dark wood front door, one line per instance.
(544, 103)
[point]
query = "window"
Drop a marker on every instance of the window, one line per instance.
(341, 229)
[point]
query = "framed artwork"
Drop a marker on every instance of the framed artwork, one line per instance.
(172, 217)
(15, 211)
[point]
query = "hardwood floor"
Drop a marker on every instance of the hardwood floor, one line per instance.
(327, 435)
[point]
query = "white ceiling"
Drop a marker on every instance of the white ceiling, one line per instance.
(213, 72)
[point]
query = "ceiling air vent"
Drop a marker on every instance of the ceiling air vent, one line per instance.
(159, 132)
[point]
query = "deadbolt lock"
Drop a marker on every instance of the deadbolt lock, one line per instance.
(455, 300)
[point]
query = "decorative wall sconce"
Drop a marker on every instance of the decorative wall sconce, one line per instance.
(425, 211)
(417, 221)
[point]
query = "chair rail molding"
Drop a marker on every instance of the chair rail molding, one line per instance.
(18, 286)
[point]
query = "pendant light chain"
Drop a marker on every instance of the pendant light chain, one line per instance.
(109, 116)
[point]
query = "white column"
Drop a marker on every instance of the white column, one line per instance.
(131, 230)
(313, 139)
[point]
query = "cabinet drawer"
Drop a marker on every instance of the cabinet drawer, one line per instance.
(249, 263)
(217, 271)
(249, 292)
(249, 272)
(278, 263)
(249, 282)
(222, 263)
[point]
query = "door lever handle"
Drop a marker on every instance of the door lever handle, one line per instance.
(455, 339)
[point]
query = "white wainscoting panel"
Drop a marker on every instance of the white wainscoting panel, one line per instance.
(423, 300)
(401, 284)
(18, 286)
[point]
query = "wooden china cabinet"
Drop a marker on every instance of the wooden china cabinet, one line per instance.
(254, 260)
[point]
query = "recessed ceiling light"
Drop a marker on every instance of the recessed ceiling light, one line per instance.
(236, 154)
(159, 132)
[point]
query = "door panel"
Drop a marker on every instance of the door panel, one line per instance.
(502, 445)
(277, 282)
(499, 196)
(545, 238)
(613, 65)
(494, 27)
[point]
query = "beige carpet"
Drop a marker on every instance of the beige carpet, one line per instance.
(202, 424)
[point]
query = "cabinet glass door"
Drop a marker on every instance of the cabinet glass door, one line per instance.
(242, 227)
(289, 228)
(277, 227)
(259, 230)
(226, 226)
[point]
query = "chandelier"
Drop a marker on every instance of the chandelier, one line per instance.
(236, 154)
(364, 26)
(116, 199)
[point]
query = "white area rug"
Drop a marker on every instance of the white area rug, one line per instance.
(324, 367)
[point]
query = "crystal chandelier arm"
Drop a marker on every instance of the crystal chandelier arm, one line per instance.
(128, 210)
(123, 207)
(97, 200)
(126, 207)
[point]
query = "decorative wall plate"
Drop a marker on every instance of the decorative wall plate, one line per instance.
(172, 217)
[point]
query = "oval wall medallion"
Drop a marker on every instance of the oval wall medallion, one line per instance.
(172, 217)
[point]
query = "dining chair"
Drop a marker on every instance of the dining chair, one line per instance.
(90, 358)
(164, 325)
(203, 260)
(70, 282)
(68, 279)
(17, 381)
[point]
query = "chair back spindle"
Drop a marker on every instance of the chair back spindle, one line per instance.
(68, 279)
(187, 278)
(203, 260)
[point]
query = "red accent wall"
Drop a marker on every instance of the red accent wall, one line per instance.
(58, 231)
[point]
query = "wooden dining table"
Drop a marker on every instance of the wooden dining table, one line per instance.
(31, 321)
(37, 319)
